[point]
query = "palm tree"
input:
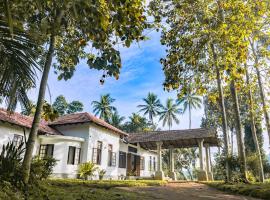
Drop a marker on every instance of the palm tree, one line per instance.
(18, 66)
(116, 120)
(190, 101)
(169, 113)
(103, 108)
(151, 107)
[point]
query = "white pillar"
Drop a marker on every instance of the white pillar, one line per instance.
(202, 174)
(201, 154)
(159, 173)
(172, 174)
(159, 163)
(171, 159)
(208, 163)
(207, 158)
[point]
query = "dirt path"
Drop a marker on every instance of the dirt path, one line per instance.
(186, 191)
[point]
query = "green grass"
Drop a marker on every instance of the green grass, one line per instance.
(69, 189)
(259, 190)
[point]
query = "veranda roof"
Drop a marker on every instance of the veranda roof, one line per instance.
(176, 138)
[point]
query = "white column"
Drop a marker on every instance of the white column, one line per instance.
(207, 158)
(159, 175)
(201, 154)
(171, 159)
(159, 163)
(202, 174)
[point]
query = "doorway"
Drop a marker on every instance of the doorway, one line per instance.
(133, 165)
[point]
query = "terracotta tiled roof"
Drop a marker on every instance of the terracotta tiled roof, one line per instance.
(26, 121)
(84, 117)
(177, 138)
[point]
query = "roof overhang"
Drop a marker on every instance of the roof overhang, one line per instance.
(175, 138)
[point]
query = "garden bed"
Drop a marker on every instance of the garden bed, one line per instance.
(259, 190)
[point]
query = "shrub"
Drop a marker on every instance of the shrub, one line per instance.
(219, 168)
(101, 174)
(41, 168)
(10, 163)
(87, 170)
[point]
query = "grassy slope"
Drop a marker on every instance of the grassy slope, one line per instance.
(259, 190)
(77, 189)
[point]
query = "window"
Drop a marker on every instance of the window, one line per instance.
(73, 155)
(150, 164)
(154, 163)
(17, 140)
(122, 159)
(96, 158)
(111, 156)
(46, 150)
(142, 164)
(132, 149)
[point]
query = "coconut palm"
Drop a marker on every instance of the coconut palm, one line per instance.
(168, 113)
(151, 106)
(190, 101)
(103, 108)
(116, 120)
(18, 66)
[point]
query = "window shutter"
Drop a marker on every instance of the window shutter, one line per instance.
(94, 156)
(113, 159)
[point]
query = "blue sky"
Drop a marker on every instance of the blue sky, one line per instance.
(141, 73)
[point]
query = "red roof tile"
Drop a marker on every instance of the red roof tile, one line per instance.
(84, 118)
(26, 121)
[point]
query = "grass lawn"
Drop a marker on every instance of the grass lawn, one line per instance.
(259, 190)
(69, 189)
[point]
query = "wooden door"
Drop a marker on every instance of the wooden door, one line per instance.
(138, 165)
(129, 167)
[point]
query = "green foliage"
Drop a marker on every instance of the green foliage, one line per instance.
(101, 173)
(87, 170)
(137, 123)
(63, 107)
(151, 107)
(18, 54)
(74, 106)
(60, 104)
(78, 189)
(168, 113)
(103, 108)
(41, 168)
(116, 120)
(10, 163)
(219, 170)
(106, 184)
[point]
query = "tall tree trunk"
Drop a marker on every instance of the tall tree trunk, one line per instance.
(35, 125)
(224, 117)
(189, 110)
(262, 94)
(239, 132)
(253, 128)
(232, 129)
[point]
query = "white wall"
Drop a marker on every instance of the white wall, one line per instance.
(97, 133)
(7, 132)
(60, 153)
(81, 131)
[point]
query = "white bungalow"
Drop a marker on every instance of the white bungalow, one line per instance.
(81, 137)
(77, 138)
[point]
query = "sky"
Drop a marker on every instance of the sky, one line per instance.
(141, 73)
